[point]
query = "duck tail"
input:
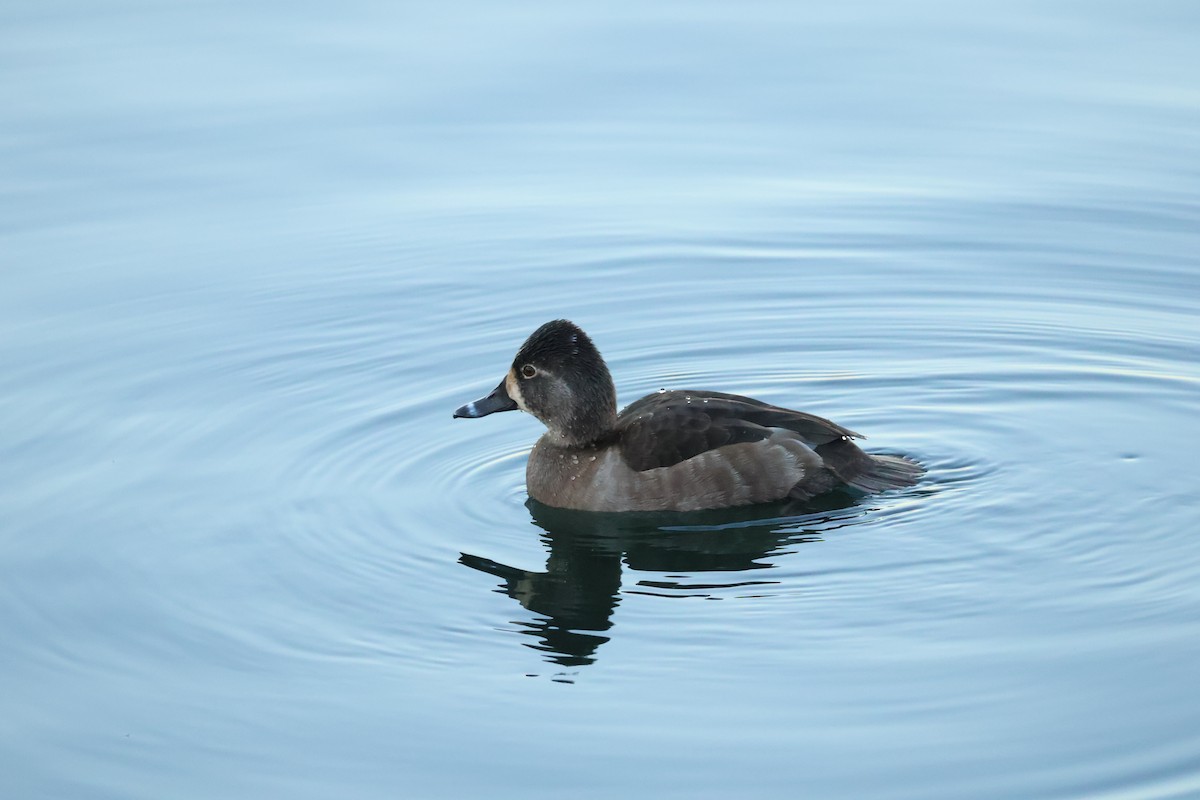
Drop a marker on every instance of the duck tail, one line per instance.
(887, 472)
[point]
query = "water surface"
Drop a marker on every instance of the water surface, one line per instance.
(255, 255)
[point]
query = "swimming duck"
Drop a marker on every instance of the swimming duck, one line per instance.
(669, 451)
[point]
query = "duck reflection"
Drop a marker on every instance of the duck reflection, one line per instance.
(574, 598)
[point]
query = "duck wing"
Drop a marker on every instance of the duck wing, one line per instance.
(669, 427)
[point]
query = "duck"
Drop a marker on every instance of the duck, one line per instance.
(677, 450)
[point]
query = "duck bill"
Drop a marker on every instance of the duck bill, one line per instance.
(498, 400)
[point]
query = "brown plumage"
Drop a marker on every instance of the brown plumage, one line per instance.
(678, 450)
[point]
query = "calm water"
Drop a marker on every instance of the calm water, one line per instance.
(254, 255)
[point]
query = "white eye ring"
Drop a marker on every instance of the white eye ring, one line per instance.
(528, 371)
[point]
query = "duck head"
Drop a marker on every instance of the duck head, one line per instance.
(558, 376)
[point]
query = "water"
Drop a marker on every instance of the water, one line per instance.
(255, 255)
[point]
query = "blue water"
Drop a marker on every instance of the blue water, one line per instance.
(252, 256)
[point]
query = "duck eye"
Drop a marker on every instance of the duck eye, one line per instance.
(528, 371)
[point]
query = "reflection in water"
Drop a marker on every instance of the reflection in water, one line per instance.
(580, 588)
